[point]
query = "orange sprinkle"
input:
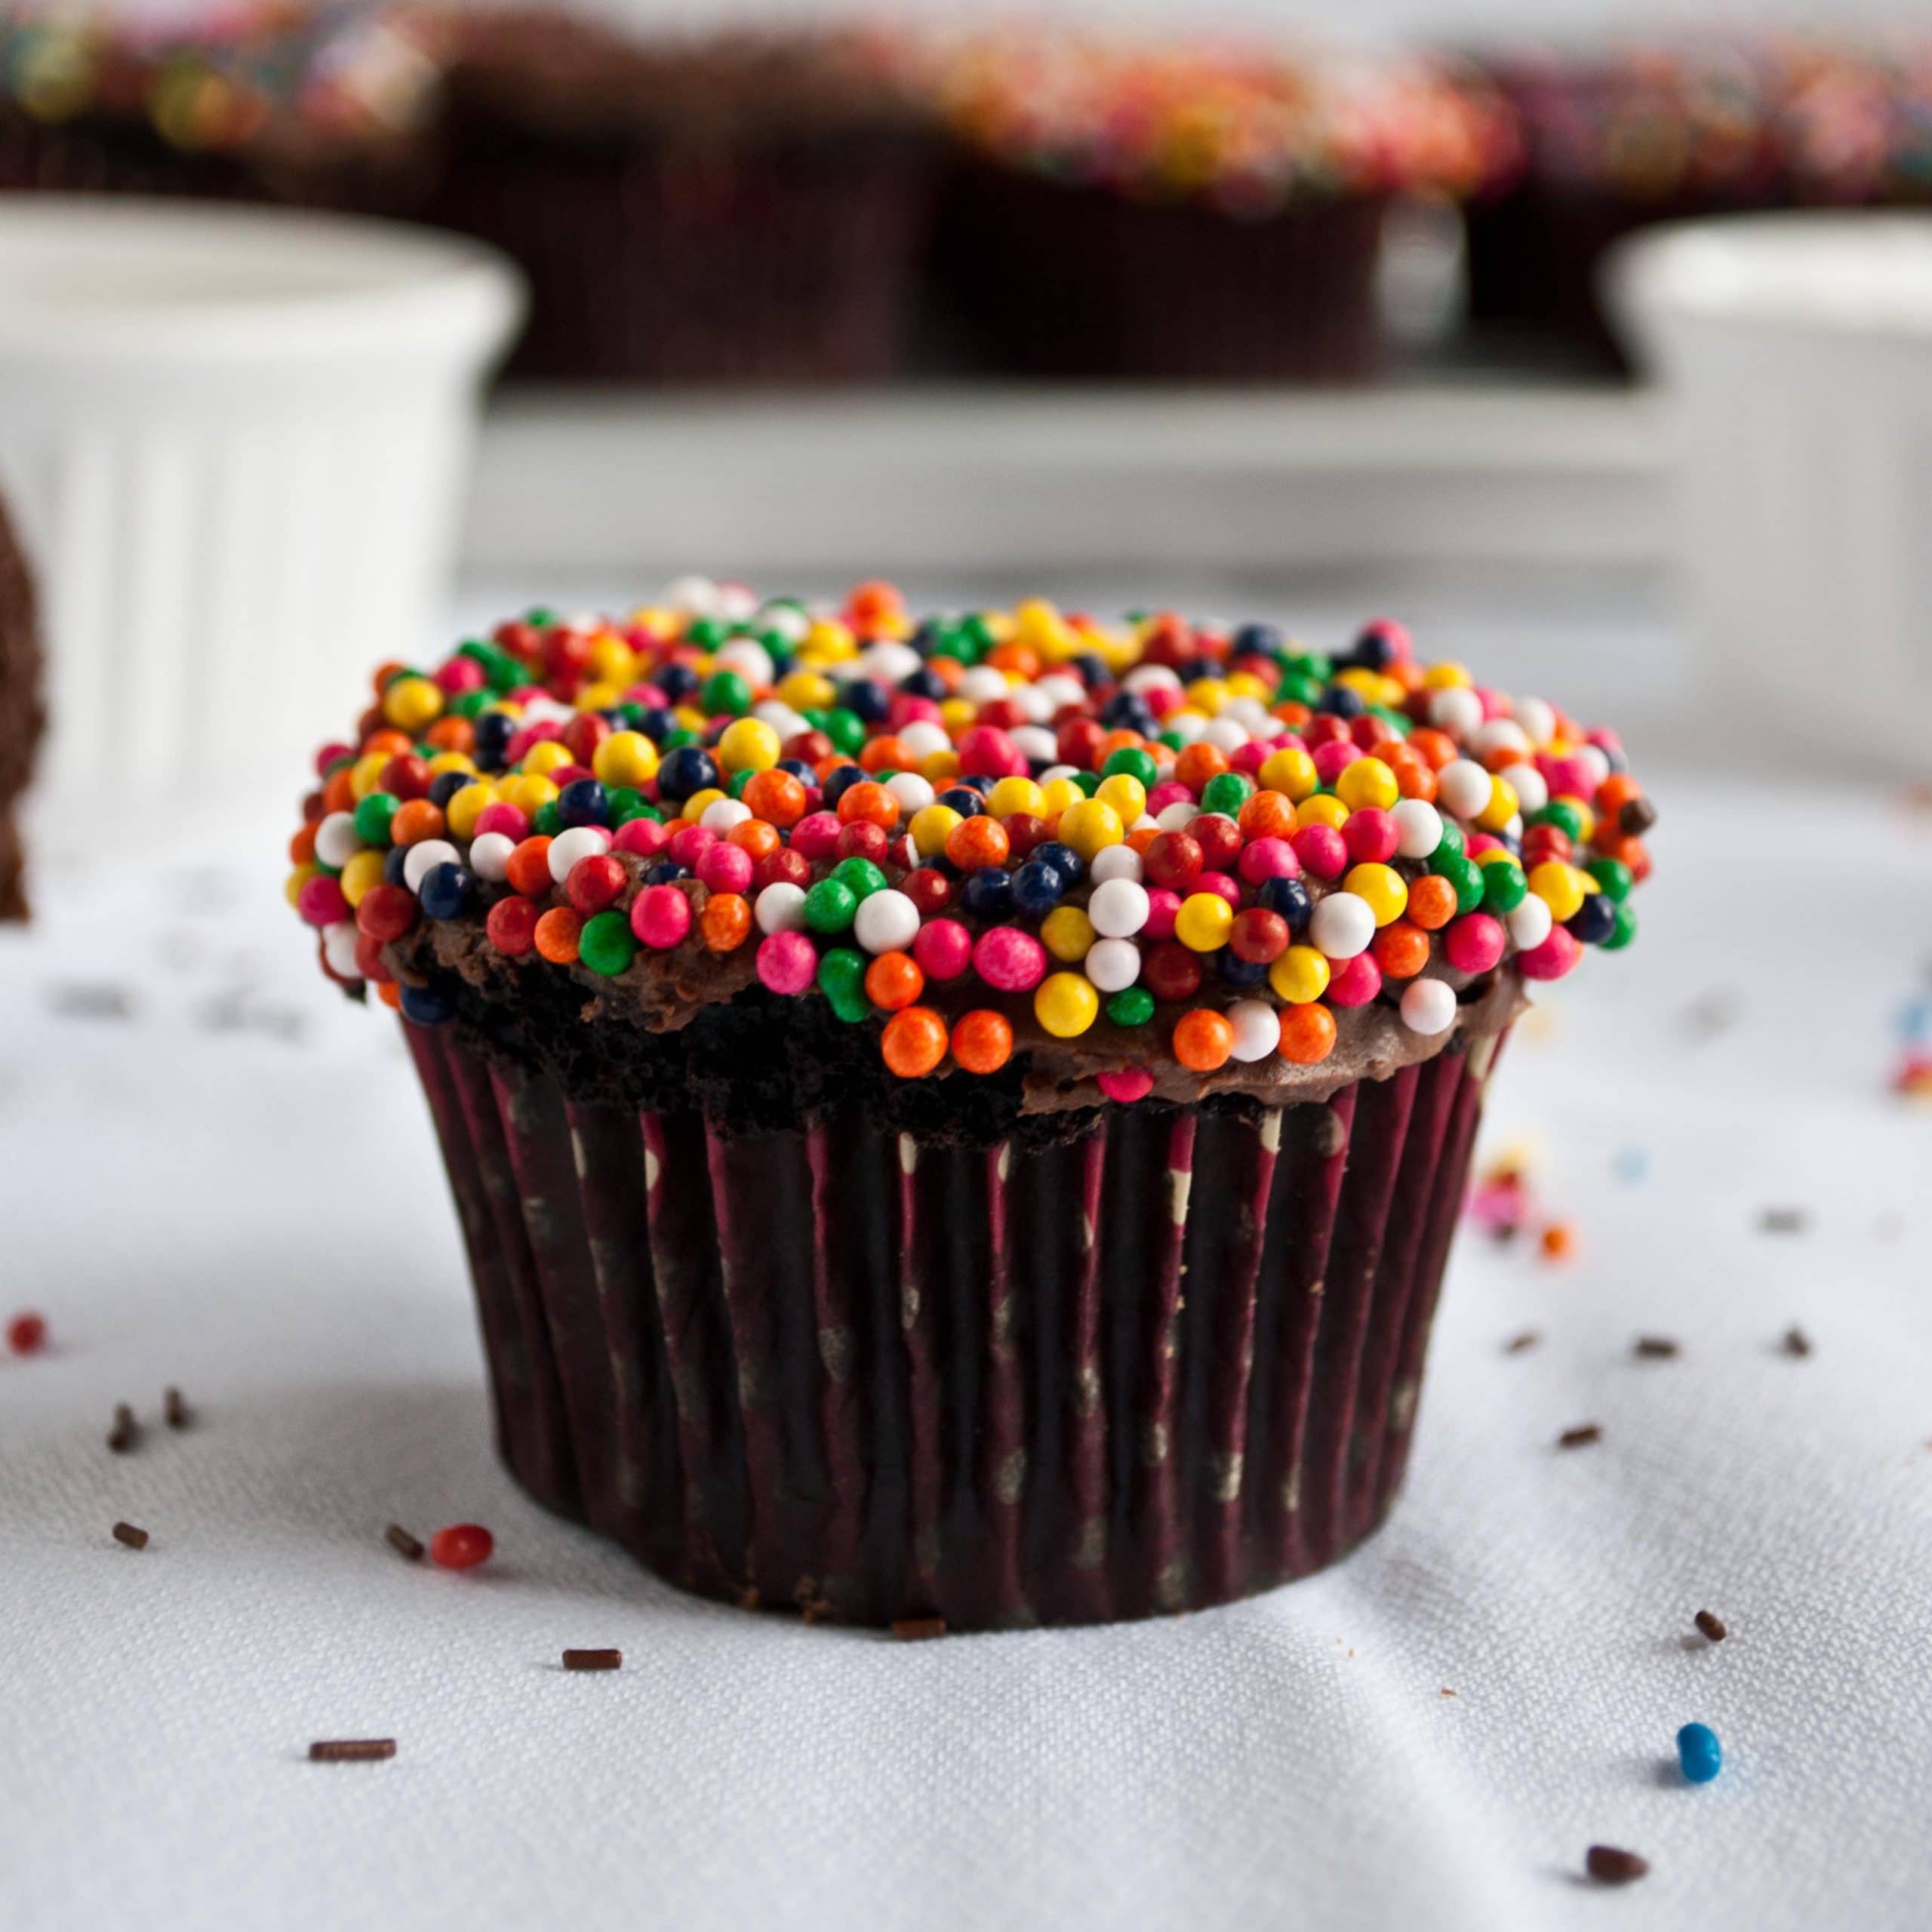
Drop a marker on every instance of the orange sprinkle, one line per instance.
(725, 924)
(557, 935)
(415, 821)
(914, 1042)
(1431, 903)
(983, 1041)
(1558, 1242)
(894, 980)
(1203, 1039)
(1308, 1033)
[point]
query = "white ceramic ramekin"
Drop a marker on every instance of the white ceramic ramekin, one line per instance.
(237, 442)
(1797, 350)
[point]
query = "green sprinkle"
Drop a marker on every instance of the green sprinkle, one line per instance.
(859, 877)
(1613, 878)
(829, 906)
(1130, 761)
(841, 978)
(1132, 1007)
(372, 813)
(1226, 792)
(547, 820)
(607, 944)
(1503, 886)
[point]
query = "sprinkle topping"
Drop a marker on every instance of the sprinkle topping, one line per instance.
(976, 832)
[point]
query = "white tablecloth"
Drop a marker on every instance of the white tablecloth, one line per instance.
(231, 1186)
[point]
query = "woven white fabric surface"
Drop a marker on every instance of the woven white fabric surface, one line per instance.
(232, 1186)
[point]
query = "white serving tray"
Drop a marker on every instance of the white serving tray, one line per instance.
(937, 478)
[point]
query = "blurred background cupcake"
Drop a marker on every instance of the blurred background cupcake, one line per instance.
(332, 107)
(740, 208)
(1179, 208)
(1616, 139)
(22, 717)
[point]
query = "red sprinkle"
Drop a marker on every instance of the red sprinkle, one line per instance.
(461, 1546)
(26, 1333)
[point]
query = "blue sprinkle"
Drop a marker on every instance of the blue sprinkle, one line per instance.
(1699, 1753)
(426, 1007)
(1630, 1164)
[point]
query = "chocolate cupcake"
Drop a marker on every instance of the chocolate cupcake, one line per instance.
(21, 716)
(325, 106)
(960, 1120)
(736, 209)
(1619, 139)
(1157, 211)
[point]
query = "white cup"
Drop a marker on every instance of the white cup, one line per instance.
(1796, 351)
(238, 443)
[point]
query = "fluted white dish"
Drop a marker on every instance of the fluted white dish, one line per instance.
(237, 442)
(1796, 350)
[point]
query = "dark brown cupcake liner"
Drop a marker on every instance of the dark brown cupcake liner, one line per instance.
(790, 263)
(1070, 281)
(1166, 1360)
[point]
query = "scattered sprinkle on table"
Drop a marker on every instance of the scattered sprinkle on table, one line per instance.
(174, 1408)
(351, 1750)
(1522, 1344)
(1712, 1627)
(917, 1630)
(461, 1546)
(402, 1543)
(1610, 1865)
(1796, 1341)
(1657, 1348)
(593, 1660)
(1581, 1436)
(126, 1431)
(134, 1539)
(1558, 1241)
(1781, 1221)
(26, 1333)
(1699, 1754)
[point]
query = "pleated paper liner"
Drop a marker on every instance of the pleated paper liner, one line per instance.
(1081, 282)
(1168, 1360)
(793, 264)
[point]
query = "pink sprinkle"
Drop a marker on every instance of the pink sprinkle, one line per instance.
(510, 820)
(1229, 889)
(661, 916)
(1009, 960)
(1370, 836)
(1332, 759)
(1321, 849)
(1249, 758)
(786, 962)
(1269, 858)
(1474, 943)
(328, 755)
(689, 843)
(816, 835)
(569, 774)
(646, 837)
(1135, 1083)
(726, 868)
(1162, 906)
(1479, 842)
(907, 709)
(460, 675)
(1550, 961)
(1169, 792)
(1355, 981)
(986, 752)
(943, 948)
(321, 902)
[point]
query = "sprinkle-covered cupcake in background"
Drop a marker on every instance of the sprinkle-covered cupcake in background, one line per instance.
(744, 207)
(1177, 210)
(21, 716)
(962, 1118)
(326, 106)
(1618, 138)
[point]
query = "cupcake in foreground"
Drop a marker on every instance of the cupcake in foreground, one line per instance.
(962, 1118)
(1151, 210)
(738, 208)
(22, 717)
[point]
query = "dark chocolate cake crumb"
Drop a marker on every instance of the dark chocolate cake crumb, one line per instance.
(134, 1539)
(916, 1629)
(126, 1431)
(1711, 1626)
(1522, 1344)
(612, 1659)
(402, 1543)
(1609, 1866)
(174, 1408)
(1781, 1221)
(1581, 1436)
(1796, 1341)
(1657, 1348)
(351, 1750)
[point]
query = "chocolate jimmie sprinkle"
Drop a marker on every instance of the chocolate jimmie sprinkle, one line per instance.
(1796, 1341)
(134, 1539)
(351, 1750)
(1610, 1865)
(402, 1543)
(1522, 1344)
(1712, 1627)
(1581, 1436)
(1657, 1348)
(174, 1409)
(917, 1630)
(593, 1660)
(126, 1431)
